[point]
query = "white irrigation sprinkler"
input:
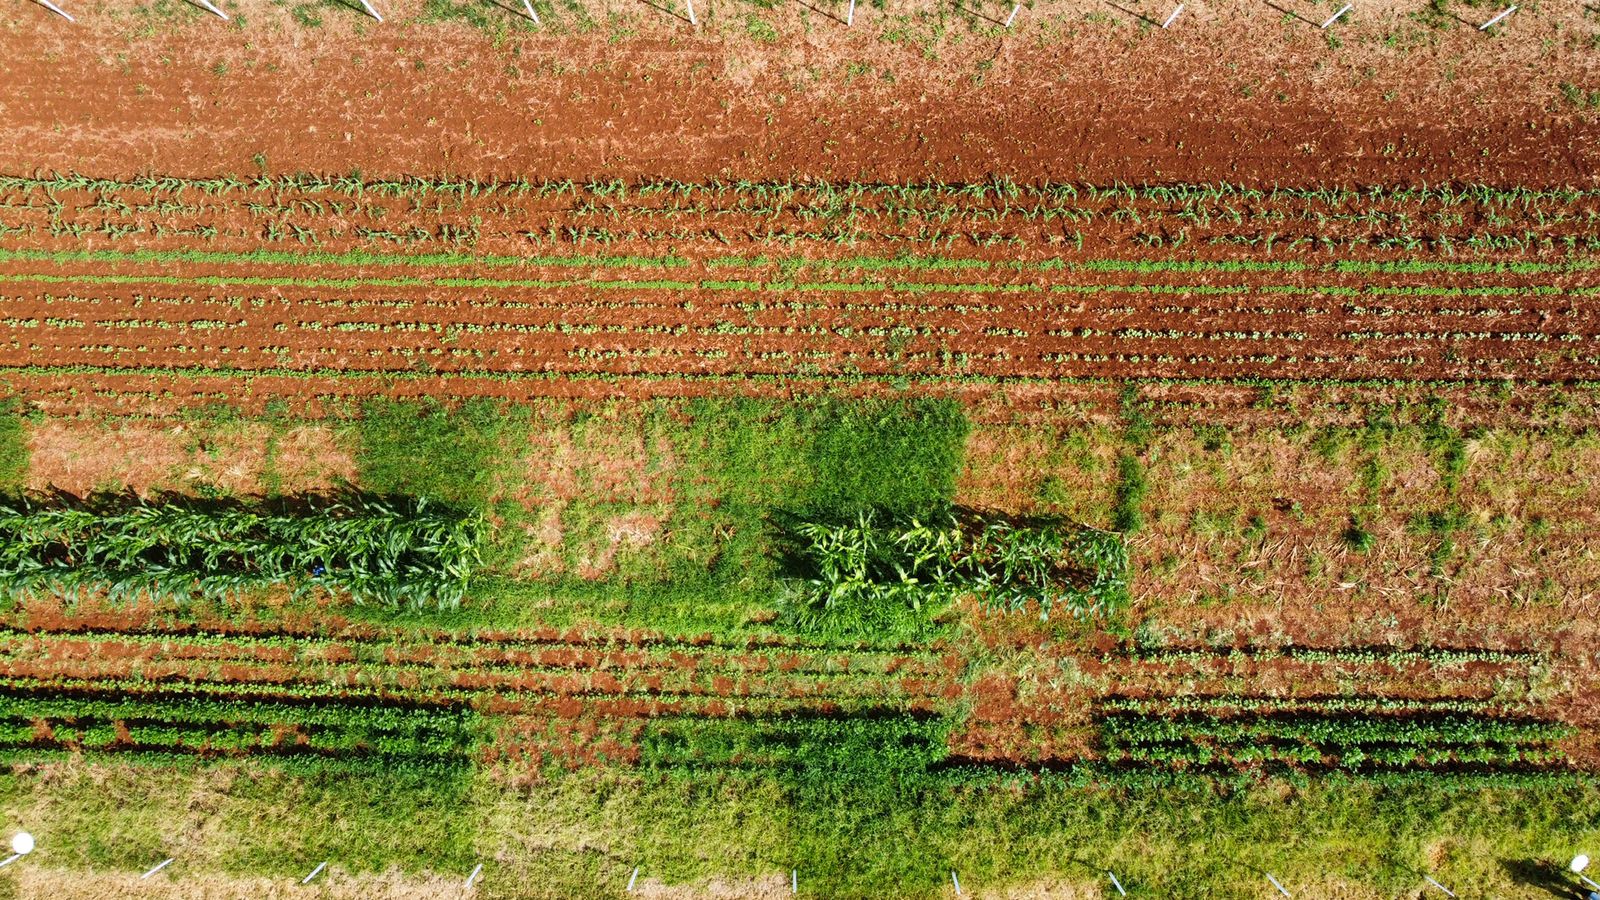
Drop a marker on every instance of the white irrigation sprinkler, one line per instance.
(473, 878)
(1447, 891)
(1011, 18)
(850, 14)
(1336, 16)
(21, 845)
(314, 873)
(1173, 17)
(632, 878)
(158, 867)
(57, 10)
(370, 11)
(1115, 883)
(957, 882)
(528, 5)
(208, 7)
(689, 5)
(1509, 10)
(1281, 889)
(1579, 863)
(794, 881)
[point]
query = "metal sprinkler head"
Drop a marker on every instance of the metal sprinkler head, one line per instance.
(1579, 863)
(22, 843)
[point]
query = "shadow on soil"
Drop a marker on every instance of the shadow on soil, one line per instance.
(821, 12)
(1547, 877)
(661, 7)
(1290, 12)
(1137, 15)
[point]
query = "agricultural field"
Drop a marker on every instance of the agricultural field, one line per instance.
(155, 294)
(942, 455)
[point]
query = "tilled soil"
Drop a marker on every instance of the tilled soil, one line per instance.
(144, 297)
(1234, 90)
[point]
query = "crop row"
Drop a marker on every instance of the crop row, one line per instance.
(276, 307)
(1239, 705)
(997, 189)
(506, 701)
(654, 370)
(1371, 212)
(44, 718)
(1432, 655)
(1323, 730)
(1350, 759)
(334, 388)
(1322, 740)
(528, 680)
(813, 326)
(577, 646)
(724, 364)
(789, 266)
(409, 553)
(457, 657)
(942, 230)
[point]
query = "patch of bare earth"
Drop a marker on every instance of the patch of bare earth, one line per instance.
(769, 888)
(34, 883)
(244, 460)
(575, 474)
(1043, 889)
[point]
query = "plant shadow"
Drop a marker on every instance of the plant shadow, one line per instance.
(977, 14)
(518, 11)
(1137, 15)
(668, 10)
(1290, 12)
(1542, 875)
(822, 12)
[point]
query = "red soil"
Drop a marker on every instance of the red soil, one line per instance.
(1233, 91)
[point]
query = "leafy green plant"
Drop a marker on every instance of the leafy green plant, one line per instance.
(427, 449)
(13, 450)
(394, 553)
(1128, 514)
(876, 566)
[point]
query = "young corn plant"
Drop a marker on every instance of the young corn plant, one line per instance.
(400, 554)
(875, 569)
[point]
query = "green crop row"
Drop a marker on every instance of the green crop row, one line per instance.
(790, 380)
(1346, 758)
(186, 709)
(691, 702)
(1392, 655)
(794, 264)
(876, 561)
(1120, 730)
(1241, 705)
(998, 188)
(398, 554)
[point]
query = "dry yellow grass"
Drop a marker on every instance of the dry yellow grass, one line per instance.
(67, 884)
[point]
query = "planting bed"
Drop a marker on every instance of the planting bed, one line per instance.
(527, 704)
(146, 296)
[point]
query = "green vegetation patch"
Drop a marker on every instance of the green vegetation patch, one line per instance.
(1180, 839)
(394, 554)
(426, 449)
(900, 456)
(745, 464)
(13, 450)
(858, 575)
